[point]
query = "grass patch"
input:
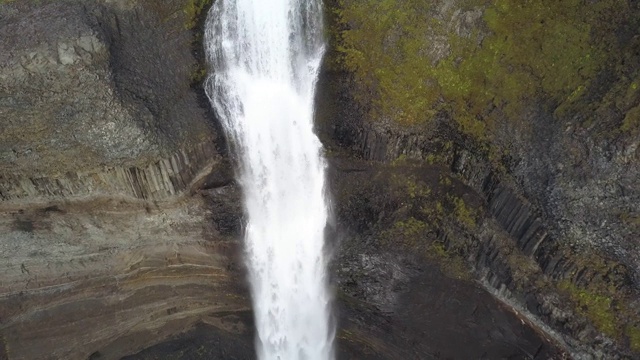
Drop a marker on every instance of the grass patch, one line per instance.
(464, 214)
(631, 122)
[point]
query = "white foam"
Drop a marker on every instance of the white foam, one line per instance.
(265, 56)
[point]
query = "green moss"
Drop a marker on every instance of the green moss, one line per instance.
(434, 213)
(402, 159)
(197, 75)
(633, 333)
(438, 249)
(632, 95)
(557, 51)
(444, 180)
(464, 214)
(409, 184)
(631, 121)
(451, 265)
(417, 188)
(431, 159)
(192, 10)
(410, 228)
(596, 307)
(382, 47)
(604, 300)
(632, 220)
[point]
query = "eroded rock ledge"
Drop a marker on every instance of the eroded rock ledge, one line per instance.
(517, 245)
(113, 234)
(114, 276)
(159, 180)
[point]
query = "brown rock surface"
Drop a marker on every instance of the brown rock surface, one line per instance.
(79, 277)
(102, 143)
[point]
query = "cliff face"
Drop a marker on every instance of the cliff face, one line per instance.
(539, 124)
(120, 220)
(106, 279)
(96, 98)
(110, 241)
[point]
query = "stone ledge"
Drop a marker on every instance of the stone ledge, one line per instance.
(157, 181)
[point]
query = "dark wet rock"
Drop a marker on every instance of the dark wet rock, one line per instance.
(561, 190)
(435, 318)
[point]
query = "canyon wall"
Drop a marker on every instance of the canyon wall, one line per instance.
(534, 186)
(121, 222)
(110, 240)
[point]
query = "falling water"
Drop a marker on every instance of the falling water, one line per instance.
(265, 56)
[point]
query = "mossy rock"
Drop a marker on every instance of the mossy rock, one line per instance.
(193, 9)
(558, 50)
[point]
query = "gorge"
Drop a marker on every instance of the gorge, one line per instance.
(484, 195)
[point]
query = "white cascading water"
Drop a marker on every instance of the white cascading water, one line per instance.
(265, 56)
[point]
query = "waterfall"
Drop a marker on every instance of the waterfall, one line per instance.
(265, 56)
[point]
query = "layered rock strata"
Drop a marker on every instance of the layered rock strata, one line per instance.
(108, 244)
(111, 277)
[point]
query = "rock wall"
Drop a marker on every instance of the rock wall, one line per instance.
(119, 219)
(159, 180)
(526, 225)
(103, 280)
(574, 157)
(86, 86)
(387, 216)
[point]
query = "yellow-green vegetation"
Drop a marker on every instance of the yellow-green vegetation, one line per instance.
(464, 214)
(521, 51)
(431, 159)
(424, 211)
(192, 10)
(416, 188)
(408, 232)
(410, 185)
(633, 91)
(600, 301)
(434, 212)
(197, 74)
(631, 121)
(400, 160)
(444, 180)
(633, 332)
(410, 227)
(595, 307)
(450, 264)
(381, 47)
(632, 220)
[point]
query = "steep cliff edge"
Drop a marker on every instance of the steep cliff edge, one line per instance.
(119, 219)
(532, 107)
